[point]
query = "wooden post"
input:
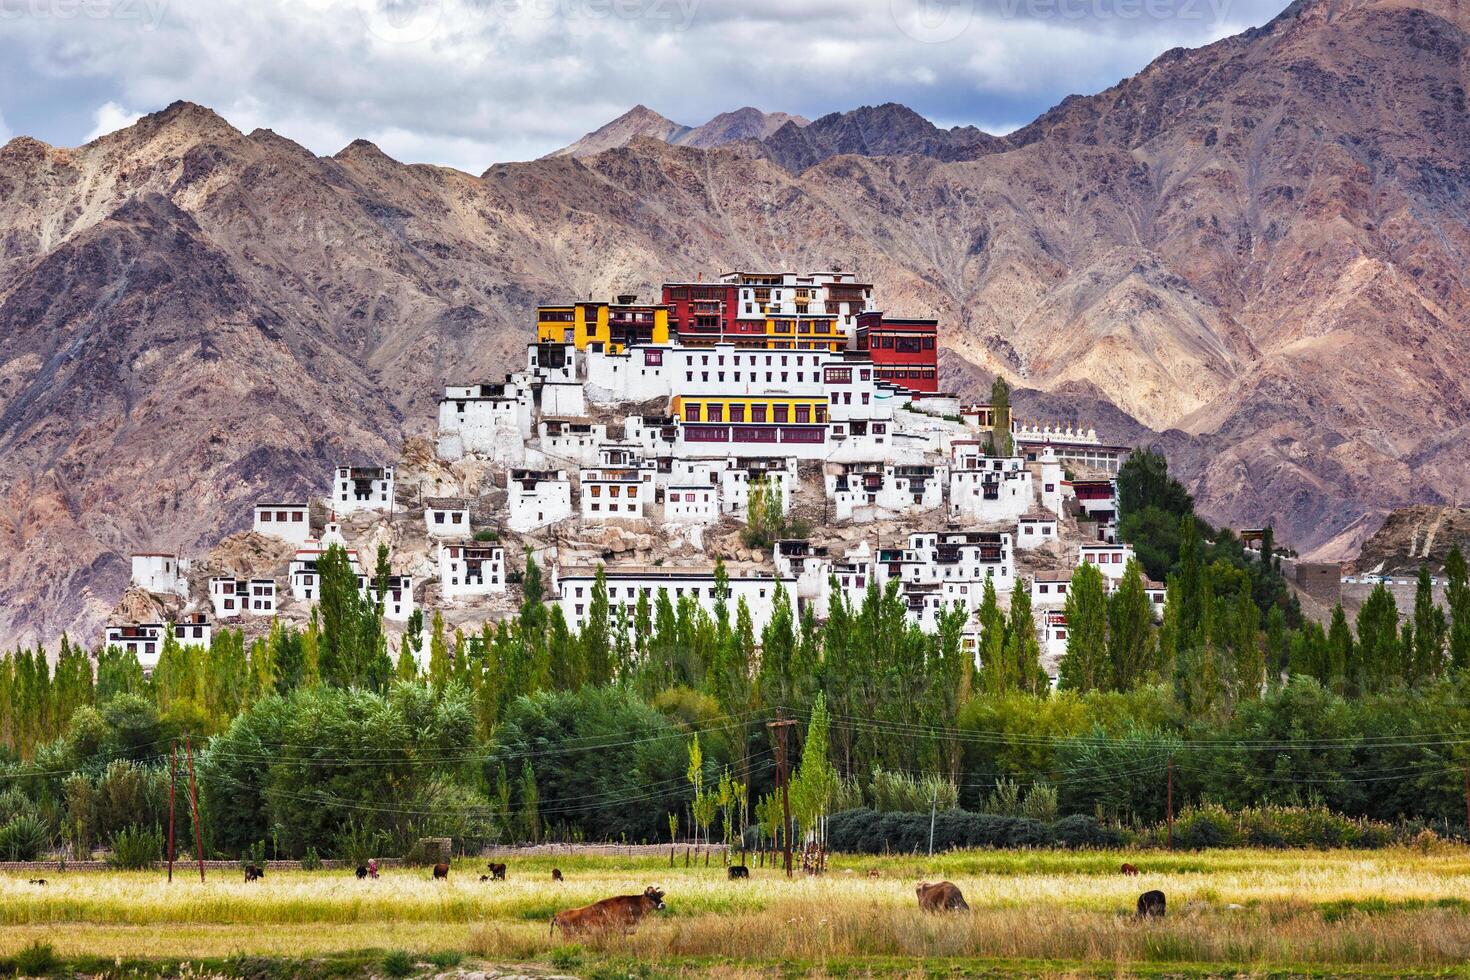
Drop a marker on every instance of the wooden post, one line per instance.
(781, 724)
(173, 775)
(1467, 800)
(1170, 798)
(194, 808)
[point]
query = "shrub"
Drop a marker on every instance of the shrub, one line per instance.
(36, 960)
(311, 861)
(398, 963)
(1084, 831)
(24, 838)
(864, 831)
(1202, 827)
(134, 848)
(485, 534)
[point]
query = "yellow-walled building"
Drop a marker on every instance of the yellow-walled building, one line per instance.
(737, 409)
(608, 327)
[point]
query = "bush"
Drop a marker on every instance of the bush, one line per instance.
(24, 838)
(1201, 827)
(134, 848)
(864, 831)
(398, 963)
(311, 861)
(36, 960)
(485, 534)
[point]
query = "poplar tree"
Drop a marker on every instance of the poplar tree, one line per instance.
(1278, 645)
(1378, 647)
(1430, 630)
(1085, 665)
(1000, 418)
(1022, 649)
(1249, 667)
(596, 636)
(1130, 643)
(1338, 664)
(1457, 596)
(997, 672)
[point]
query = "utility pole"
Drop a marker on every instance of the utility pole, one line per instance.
(194, 808)
(781, 724)
(933, 806)
(173, 775)
(1171, 803)
(1467, 800)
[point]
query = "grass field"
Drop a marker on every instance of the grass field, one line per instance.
(1383, 912)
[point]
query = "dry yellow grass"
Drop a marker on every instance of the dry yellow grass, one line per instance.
(1257, 910)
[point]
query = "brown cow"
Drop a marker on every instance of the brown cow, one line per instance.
(497, 870)
(1151, 905)
(556, 874)
(441, 871)
(943, 897)
(622, 912)
(1130, 870)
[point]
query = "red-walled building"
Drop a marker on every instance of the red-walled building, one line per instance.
(904, 351)
(705, 313)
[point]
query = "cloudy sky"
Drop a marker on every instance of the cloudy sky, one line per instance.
(471, 82)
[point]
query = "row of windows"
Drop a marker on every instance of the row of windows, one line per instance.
(715, 412)
(280, 516)
(613, 491)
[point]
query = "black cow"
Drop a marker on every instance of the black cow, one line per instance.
(254, 872)
(38, 881)
(738, 871)
(361, 872)
(441, 871)
(1151, 904)
(556, 874)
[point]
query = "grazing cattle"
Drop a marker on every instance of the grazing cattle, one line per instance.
(38, 881)
(874, 873)
(943, 897)
(361, 872)
(738, 871)
(622, 912)
(254, 872)
(441, 871)
(497, 870)
(1151, 904)
(556, 874)
(1130, 870)
(484, 877)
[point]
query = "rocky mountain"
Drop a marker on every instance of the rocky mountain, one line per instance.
(885, 130)
(1253, 254)
(1415, 536)
(743, 124)
(727, 127)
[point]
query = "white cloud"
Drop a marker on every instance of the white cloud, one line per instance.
(109, 118)
(5, 133)
(471, 82)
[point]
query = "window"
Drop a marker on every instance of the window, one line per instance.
(781, 413)
(653, 358)
(691, 412)
(715, 413)
(737, 413)
(803, 413)
(758, 413)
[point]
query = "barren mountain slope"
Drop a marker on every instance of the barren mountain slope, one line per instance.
(1256, 249)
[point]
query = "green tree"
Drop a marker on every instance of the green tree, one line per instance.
(1430, 631)
(1378, 660)
(1130, 641)
(1085, 665)
(1000, 418)
(1457, 597)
